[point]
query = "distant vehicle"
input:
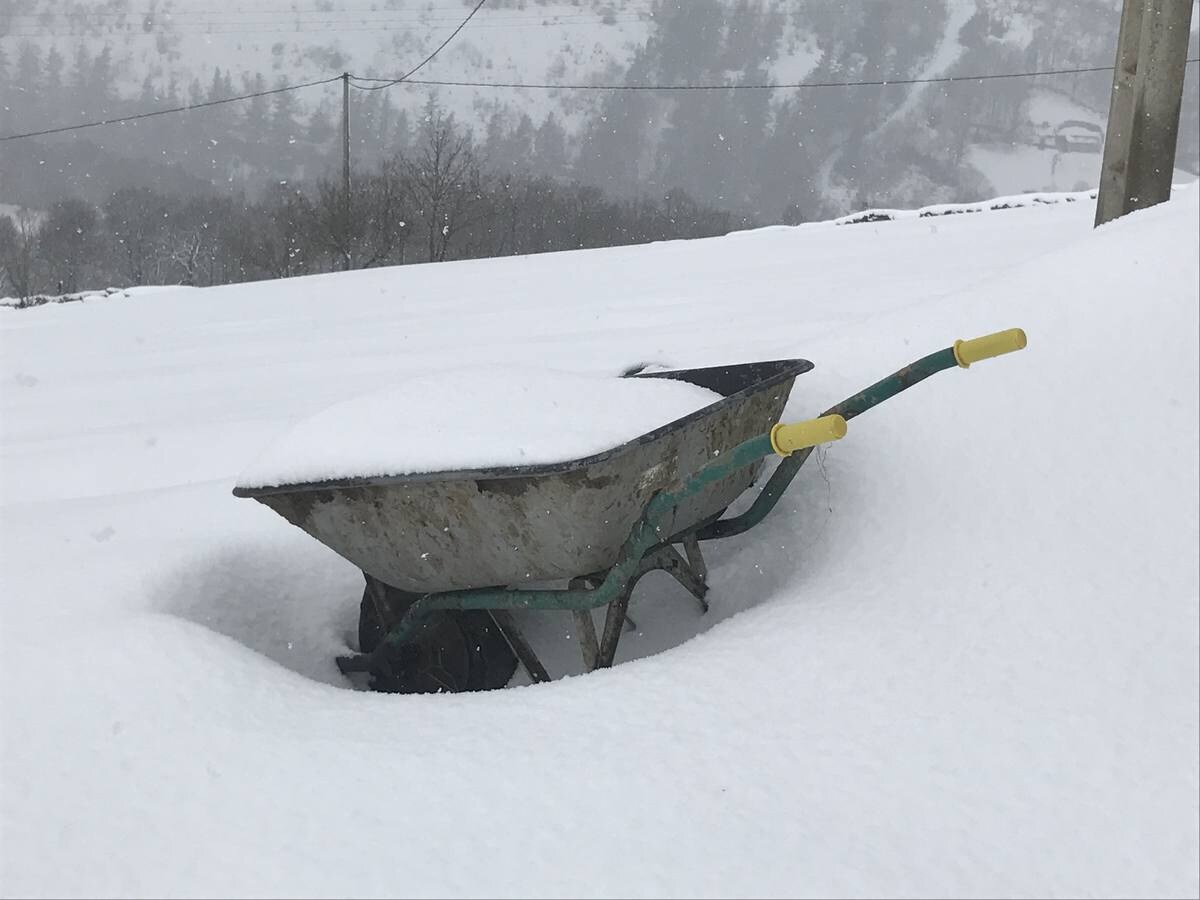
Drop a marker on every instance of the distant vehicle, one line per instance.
(1071, 135)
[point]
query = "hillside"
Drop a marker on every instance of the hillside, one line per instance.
(779, 156)
(960, 658)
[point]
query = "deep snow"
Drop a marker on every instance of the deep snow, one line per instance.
(471, 418)
(961, 658)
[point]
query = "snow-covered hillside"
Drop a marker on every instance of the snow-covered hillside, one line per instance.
(185, 39)
(960, 659)
(784, 155)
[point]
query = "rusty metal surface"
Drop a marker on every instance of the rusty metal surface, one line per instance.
(512, 527)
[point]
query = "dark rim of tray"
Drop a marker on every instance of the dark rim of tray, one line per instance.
(767, 374)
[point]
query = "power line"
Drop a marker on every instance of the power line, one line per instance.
(386, 83)
(258, 10)
(163, 112)
(417, 17)
(307, 27)
(279, 90)
(381, 20)
(440, 48)
(772, 86)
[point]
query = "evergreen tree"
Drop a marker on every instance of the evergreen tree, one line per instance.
(384, 123)
(7, 94)
(494, 136)
(55, 69)
(550, 147)
(103, 90)
(28, 105)
(255, 123)
(401, 136)
(81, 77)
(258, 110)
(283, 128)
(320, 125)
(518, 148)
(148, 99)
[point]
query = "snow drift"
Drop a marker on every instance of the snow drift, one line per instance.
(473, 417)
(960, 659)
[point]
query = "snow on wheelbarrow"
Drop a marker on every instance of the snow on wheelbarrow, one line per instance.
(457, 495)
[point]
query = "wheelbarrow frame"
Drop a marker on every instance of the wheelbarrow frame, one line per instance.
(650, 547)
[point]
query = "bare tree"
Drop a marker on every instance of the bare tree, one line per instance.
(69, 244)
(444, 176)
(8, 243)
(280, 237)
(369, 228)
(18, 258)
(136, 219)
(192, 243)
(336, 227)
(387, 201)
(185, 250)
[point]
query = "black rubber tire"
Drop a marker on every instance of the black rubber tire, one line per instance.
(454, 651)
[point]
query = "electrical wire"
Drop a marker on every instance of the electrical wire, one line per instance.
(176, 109)
(422, 63)
(386, 83)
(772, 86)
(258, 9)
(279, 90)
(385, 21)
(325, 28)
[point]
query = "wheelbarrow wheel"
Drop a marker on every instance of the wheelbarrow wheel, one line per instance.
(453, 651)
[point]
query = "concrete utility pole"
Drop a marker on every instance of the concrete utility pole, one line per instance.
(346, 158)
(1143, 114)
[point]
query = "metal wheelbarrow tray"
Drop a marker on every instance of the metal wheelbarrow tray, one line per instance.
(443, 531)
(441, 544)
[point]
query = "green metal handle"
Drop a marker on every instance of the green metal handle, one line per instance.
(868, 398)
(647, 533)
(900, 380)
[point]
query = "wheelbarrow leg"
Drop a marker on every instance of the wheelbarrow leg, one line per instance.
(685, 573)
(691, 546)
(614, 622)
(585, 628)
(524, 652)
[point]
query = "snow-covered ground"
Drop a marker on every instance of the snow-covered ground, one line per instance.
(960, 659)
(1020, 168)
(1047, 107)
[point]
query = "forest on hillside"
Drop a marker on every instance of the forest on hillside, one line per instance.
(433, 201)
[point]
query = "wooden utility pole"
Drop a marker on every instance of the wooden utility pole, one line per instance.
(346, 136)
(1143, 114)
(346, 211)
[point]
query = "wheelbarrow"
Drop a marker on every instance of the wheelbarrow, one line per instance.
(448, 556)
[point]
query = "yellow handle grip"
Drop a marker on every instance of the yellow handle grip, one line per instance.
(787, 439)
(967, 352)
